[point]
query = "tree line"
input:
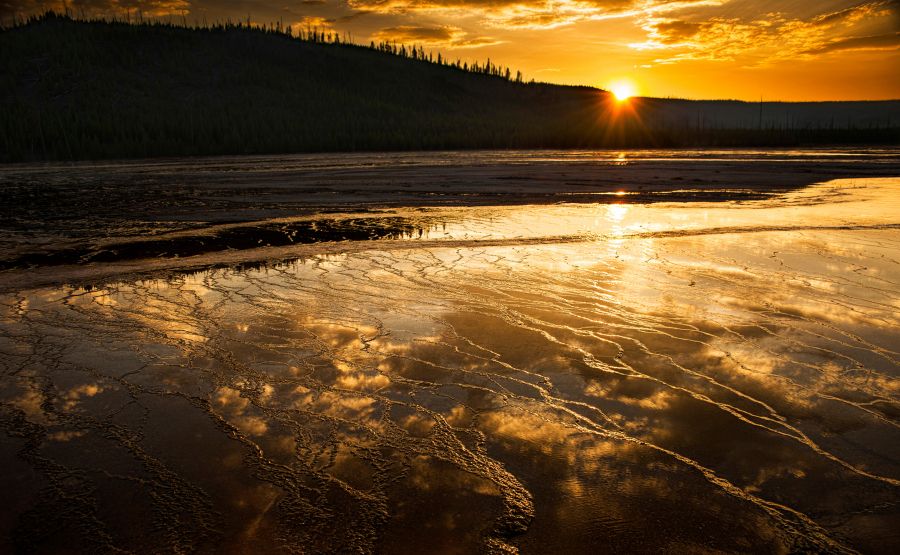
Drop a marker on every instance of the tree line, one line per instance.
(73, 89)
(299, 32)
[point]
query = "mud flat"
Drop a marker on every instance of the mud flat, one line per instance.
(63, 214)
(155, 196)
(692, 376)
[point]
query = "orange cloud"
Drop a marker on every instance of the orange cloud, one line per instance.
(767, 38)
(890, 41)
(529, 14)
(435, 35)
(313, 22)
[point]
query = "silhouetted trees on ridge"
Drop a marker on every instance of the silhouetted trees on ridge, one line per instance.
(129, 87)
(310, 33)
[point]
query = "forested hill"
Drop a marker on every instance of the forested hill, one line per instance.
(78, 90)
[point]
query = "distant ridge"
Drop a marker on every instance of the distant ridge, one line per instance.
(90, 90)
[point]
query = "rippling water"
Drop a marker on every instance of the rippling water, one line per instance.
(684, 377)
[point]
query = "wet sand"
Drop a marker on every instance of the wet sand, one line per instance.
(719, 374)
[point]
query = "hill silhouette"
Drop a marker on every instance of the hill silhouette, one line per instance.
(95, 89)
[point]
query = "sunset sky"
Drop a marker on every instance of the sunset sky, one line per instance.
(777, 49)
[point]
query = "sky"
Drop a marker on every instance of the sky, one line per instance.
(742, 49)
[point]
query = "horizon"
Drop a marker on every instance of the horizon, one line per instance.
(692, 50)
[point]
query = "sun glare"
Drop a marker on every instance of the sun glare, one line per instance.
(622, 90)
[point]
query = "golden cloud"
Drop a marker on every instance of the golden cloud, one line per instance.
(435, 35)
(770, 37)
(889, 41)
(530, 14)
(506, 14)
(313, 22)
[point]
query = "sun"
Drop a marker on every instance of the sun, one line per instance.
(622, 90)
(622, 93)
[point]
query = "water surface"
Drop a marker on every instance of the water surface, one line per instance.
(687, 377)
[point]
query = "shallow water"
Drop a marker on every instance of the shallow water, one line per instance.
(563, 378)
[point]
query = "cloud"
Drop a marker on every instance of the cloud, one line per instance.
(765, 38)
(409, 33)
(503, 14)
(435, 35)
(888, 41)
(853, 13)
(152, 7)
(313, 22)
(528, 14)
(674, 32)
(550, 14)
